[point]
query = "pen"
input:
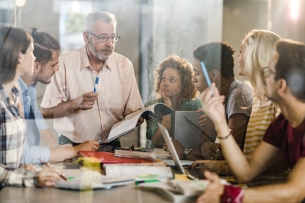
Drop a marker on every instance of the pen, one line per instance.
(205, 73)
(145, 181)
(95, 84)
(47, 164)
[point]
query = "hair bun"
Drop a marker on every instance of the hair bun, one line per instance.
(34, 31)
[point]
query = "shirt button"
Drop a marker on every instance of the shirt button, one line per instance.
(102, 109)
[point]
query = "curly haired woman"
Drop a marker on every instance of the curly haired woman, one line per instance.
(174, 88)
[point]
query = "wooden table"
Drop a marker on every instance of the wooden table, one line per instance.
(122, 194)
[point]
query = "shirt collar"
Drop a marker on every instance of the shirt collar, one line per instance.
(3, 94)
(23, 86)
(85, 60)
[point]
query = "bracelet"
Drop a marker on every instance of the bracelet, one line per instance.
(232, 194)
(225, 137)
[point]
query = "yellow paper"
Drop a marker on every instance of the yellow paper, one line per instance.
(181, 177)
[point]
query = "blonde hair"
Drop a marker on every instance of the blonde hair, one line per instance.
(259, 50)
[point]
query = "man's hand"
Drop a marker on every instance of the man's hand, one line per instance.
(179, 148)
(48, 176)
(140, 121)
(213, 191)
(202, 119)
(28, 167)
(85, 101)
(219, 167)
(89, 145)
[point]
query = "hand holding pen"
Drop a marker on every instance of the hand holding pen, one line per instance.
(49, 175)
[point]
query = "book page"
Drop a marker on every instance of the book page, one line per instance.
(129, 123)
(118, 170)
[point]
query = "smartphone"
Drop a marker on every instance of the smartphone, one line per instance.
(205, 73)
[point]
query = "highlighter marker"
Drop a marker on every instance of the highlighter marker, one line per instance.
(95, 84)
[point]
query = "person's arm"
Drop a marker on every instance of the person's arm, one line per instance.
(238, 124)
(62, 153)
(293, 190)
(243, 168)
(84, 102)
(21, 177)
(47, 138)
(157, 139)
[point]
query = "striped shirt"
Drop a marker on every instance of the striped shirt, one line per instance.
(261, 117)
(12, 138)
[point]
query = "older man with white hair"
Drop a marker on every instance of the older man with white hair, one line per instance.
(79, 112)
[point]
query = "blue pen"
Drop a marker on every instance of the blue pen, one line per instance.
(95, 84)
(205, 73)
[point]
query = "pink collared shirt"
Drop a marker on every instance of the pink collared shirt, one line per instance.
(117, 89)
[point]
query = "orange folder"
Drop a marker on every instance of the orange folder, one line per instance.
(109, 158)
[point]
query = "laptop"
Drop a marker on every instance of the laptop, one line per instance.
(189, 133)
(191, 173)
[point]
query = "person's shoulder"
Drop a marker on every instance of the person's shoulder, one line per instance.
(149, 103)
(71, 54)
(120, 57)
(193, 104)
(241, 90)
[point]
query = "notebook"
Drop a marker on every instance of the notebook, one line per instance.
(88, 180)
(189, 133)
(175, 156)
(109, 158)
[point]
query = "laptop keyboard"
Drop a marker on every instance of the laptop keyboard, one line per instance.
(195, 172)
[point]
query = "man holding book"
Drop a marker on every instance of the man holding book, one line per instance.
(79, 113)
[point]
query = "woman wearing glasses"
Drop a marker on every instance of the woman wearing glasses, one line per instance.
(256, 52)
(16, 59)
(174, 87)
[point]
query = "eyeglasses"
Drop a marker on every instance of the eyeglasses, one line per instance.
(267, 72)
(104, 38)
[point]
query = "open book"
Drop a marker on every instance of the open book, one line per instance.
(130, 122)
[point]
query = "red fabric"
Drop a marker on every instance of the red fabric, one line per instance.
(291, 140)
(232, 194)
(109, 158)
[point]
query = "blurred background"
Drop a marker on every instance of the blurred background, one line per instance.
(151, 30)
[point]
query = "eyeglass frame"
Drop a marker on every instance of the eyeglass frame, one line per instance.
(270, 72)
(115, 38)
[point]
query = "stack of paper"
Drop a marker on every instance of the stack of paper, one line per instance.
(134, 154)
(134, 170)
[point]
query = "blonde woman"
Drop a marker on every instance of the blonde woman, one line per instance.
(257, 50)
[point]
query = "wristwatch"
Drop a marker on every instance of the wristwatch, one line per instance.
(185, 153)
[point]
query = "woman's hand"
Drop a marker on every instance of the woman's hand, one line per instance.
(167, 100)
(212, 104)
(28, 167)
(213, 191)
(48, 176)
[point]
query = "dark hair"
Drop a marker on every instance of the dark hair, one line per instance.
(216, 55)
(185, 71)
(291, 66)
(44, 44)
(12, 42)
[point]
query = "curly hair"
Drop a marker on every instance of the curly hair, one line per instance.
(185, 71)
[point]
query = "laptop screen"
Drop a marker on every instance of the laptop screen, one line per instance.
(171, 148)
